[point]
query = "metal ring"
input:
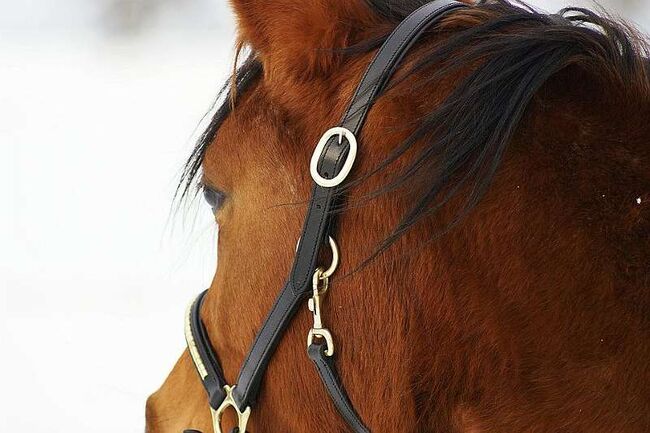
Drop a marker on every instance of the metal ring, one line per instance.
(347, 165)
(335, 257)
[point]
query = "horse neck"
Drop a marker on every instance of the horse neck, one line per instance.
(545, 281)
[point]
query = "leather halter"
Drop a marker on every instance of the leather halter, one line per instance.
(331, 163)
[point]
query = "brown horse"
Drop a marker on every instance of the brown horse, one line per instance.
(495, 241)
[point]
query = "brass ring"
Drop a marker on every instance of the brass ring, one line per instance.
(335, 257)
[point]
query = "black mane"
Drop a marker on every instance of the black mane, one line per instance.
(517, 49)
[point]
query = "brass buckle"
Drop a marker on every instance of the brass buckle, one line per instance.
(229, 401)
(318, 330)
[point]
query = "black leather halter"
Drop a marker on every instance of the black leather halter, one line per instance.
(331, 163)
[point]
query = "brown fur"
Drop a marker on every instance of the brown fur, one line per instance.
(530, 316)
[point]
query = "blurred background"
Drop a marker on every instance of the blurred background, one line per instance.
(99, 105)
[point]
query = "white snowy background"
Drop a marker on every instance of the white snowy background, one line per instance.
(98, 104)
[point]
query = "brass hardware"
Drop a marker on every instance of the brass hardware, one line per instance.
(229, 401)
(320, 284)
(335, 257)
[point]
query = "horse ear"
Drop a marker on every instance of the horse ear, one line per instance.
(302, 36)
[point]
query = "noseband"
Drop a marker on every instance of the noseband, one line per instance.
(330, 164)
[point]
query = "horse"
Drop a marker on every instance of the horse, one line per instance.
(494, 268)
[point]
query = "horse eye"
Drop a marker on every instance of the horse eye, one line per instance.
(215, 198)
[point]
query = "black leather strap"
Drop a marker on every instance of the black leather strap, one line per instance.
(252, 371)
(317, 225)
(330, 377)
(214, 382)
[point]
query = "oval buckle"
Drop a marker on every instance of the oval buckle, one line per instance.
(347, 165)
(229, 401)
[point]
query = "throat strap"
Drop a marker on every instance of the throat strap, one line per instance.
(328, 374)
(328, 167)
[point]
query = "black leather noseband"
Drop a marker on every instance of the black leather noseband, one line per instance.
(333, 162)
